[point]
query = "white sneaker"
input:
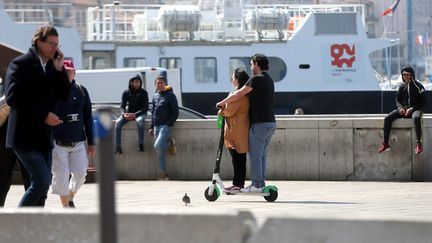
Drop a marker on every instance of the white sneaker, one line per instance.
(251, 189)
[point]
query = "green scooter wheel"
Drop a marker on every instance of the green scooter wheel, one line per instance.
(273, 193)
(214, 196)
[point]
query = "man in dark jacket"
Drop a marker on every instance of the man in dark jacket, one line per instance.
(134, 106)
(35, 81)
(410, 99)
(165, 112)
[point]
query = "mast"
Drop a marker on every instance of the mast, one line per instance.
(409, 33)
(386, 50)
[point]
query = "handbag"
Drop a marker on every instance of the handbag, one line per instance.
(4, 110)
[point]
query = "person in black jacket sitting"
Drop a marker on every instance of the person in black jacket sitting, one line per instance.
(410, 99)
(134, 106)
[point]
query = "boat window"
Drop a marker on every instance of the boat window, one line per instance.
(240, 62)
(98, 63)
(170, 62)
(335, 24)
(134, 62)
(304, 66)
(277, 69)
(205, 70)
(98, 59)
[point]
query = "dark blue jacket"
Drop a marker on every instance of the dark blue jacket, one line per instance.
(31, 93)
(135, 101)
(165, 108)
(78, 103)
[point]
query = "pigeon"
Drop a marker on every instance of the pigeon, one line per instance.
(186, 199)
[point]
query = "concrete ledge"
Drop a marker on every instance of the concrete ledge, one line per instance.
(72, 226)
(313, 230)
(303, 148)
(69, 226)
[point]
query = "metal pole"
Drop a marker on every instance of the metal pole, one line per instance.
(386, 58)
(398, 36)
(410, 34)
(106, 177)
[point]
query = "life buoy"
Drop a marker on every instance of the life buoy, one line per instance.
(294, 22)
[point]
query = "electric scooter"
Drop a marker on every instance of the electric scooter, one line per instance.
(213, 191)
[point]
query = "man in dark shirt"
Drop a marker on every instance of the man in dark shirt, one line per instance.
(134, 107)
(260, 89)
(35, 81)
(70, 149)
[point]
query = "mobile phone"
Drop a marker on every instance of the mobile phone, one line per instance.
(56, 54)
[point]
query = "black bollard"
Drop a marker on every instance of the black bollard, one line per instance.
(106, 177)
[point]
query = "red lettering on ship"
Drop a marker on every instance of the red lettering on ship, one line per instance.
(337, 51)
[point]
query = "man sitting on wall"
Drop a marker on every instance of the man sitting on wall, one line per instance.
(134, 106)
(410, 99)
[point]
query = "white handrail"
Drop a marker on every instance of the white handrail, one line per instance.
(138, 22)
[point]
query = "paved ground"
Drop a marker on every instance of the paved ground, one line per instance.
(400, 200)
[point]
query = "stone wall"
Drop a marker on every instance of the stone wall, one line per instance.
(302, 148)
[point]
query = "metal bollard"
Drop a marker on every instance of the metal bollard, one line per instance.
(106, 177)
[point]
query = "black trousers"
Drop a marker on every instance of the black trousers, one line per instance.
(8, 161)
(416, 116)
(239, 165)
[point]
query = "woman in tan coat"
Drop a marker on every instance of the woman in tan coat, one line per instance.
(236, 130)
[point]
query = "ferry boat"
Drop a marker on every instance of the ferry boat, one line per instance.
(319, 54)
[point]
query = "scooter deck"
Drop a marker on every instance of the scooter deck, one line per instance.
(265, 191)
(262, 194)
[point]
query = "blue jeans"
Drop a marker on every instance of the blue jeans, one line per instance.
(162, 134)
(259, 138)
(38, 165)
(121, 121)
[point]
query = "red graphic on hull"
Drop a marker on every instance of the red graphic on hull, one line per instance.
(342, 54)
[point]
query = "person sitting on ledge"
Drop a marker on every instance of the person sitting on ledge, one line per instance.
(410, 99)
(134, 106)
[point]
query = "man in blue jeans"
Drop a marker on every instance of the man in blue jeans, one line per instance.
(35, 81)
(260, 89)
(165, 112)
(134, 106)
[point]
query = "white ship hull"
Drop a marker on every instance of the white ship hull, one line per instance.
(322, 65)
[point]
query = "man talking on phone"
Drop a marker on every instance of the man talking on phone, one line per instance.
(35, 81)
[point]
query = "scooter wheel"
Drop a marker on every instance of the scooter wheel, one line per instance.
(272, 197)
(213, 197)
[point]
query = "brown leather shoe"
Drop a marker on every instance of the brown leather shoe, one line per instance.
(172, 149)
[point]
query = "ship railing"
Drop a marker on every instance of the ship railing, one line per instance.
(116, 22)
(138, 22)
(32, 13)
(296, 13)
